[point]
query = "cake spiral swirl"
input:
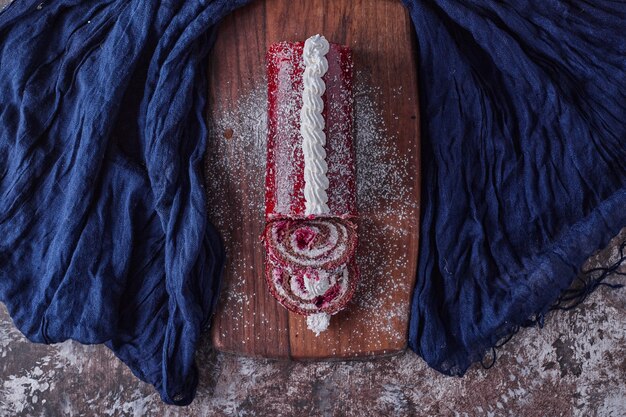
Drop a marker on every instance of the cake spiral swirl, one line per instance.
(323, 243)
(293, 289)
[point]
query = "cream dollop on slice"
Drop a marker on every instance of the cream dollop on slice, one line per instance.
(317, 323)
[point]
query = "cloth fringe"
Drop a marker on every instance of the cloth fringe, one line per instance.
(586, 283)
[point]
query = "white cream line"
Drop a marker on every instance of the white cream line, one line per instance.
(312, 125)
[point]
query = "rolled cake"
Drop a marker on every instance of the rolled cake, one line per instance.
(310, 198)
(311, 242)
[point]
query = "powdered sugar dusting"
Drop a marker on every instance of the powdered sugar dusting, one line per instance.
(235, 158)
(288, 112)
(387, 212)
(387, 208)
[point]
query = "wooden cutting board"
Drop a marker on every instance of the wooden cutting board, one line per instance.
(248, 320)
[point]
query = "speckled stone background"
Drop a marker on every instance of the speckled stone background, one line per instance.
(574, 366)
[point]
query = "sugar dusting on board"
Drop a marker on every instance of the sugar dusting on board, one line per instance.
(235, 181)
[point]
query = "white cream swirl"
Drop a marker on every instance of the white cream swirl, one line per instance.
(316, 284)
(318, 322)
(312, 125)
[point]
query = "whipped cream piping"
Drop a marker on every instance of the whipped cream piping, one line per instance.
(318, 322)
(312, 125)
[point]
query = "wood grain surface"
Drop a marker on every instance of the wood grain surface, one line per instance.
(248, 320)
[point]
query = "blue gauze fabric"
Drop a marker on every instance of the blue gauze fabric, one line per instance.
(103, 230)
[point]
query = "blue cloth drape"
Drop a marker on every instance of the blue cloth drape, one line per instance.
(524, 159)
(103, 231)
